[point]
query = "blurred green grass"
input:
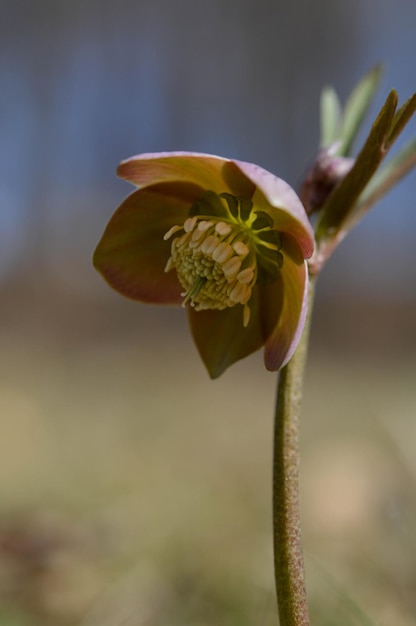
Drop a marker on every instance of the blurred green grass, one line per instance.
(135, 491)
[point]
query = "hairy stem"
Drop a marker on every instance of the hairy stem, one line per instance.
(288, 553)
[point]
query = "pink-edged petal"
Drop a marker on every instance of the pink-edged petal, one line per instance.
(289, 214)
(203, 170)
(132, 254)
(222, 339)
(292, 291)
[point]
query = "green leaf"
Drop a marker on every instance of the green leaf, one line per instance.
(357, 106)
(386, 178)
(402, 116)
(331, 116)
(342, 200)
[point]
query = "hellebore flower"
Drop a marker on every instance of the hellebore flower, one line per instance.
(226, 239)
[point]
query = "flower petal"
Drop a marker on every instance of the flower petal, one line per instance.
(132, 253)
(222, 339)
(289, 214)
(292, 291)
(204, 170)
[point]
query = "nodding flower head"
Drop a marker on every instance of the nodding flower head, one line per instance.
(225, 239)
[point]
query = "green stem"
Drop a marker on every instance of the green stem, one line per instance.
(288, 553)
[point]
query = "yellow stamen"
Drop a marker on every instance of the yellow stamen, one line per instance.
(231, 266)
(197, 234)
(241, 248)
(246, 276)
(216, 260)
(246, 316)
(222, 228)
(204, 225)
(171, 232)
(209, 244)
(170, 264)
(189, 224)
(222, 252)
(238, 292)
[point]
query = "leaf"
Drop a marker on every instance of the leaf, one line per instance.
(357, 106)
(402, 116)
(342, 200)
(386, 178)
(331, 117)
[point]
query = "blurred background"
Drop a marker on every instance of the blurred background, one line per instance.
(134, 490)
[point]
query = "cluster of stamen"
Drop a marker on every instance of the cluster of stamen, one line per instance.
(215, 261)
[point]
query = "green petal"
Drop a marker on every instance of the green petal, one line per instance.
(289, 294)
(221, 338)
(132, 254)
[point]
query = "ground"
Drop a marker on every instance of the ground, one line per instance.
(136, 492)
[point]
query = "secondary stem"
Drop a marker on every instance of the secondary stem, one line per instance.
(288, 552)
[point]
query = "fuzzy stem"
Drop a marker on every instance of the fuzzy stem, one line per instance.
(288, 553)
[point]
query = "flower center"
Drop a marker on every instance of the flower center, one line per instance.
(222, 250)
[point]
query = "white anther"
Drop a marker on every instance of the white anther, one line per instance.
(171, 232)
(209, 244)
(238, 292)
(203, 225)
(197, 234)
(247, 295)
(241, 248)
(170, 264)
(222, 228)
(189, 224)
(222, 253)
(183, 239)
(231, 267)
(246, 276)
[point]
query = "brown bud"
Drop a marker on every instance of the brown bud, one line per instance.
(326, 172)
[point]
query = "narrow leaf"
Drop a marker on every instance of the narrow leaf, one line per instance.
(402, 116)
(357, 106)
(342, 200)
(386, 178)
(331, 117)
